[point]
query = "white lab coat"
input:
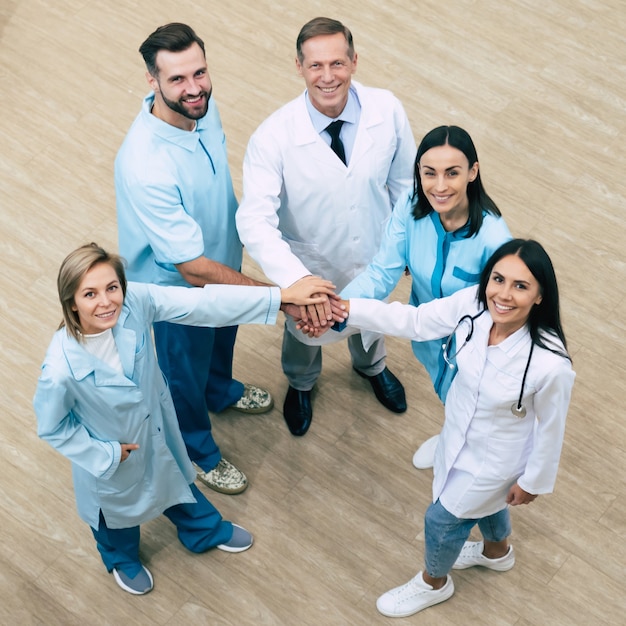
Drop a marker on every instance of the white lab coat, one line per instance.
(484, 449)
(303, 211)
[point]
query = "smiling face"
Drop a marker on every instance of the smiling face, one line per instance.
(182, 87)
(327, 70)
(98, 299)
(511, 293)
(445, 174)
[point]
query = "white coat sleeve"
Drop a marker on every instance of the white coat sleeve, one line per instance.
(431, 320)
(551, 402)
(257, 215)
(403, 163)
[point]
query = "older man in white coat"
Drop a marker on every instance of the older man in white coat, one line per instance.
(321, 176)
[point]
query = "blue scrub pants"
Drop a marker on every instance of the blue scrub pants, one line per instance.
(198, 365)
(445, 535)
(199, 525)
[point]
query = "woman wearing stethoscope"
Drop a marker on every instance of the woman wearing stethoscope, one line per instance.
(504, 415)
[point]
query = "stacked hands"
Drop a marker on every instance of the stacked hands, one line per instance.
(314, 305)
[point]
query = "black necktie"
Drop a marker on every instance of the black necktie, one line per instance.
(334, 128)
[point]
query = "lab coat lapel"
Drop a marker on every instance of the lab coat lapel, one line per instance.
(126, 340)
(363, 141)
(313, 146)
(82, 363)
(472, 357)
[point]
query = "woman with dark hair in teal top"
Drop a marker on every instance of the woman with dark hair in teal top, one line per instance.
(443, 230)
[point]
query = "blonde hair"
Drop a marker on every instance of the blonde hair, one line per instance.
(72, 271)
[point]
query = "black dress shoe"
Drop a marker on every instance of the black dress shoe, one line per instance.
(388, 389)
(297, 411)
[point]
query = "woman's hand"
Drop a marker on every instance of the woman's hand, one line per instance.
(517, 496)
(310, 290)
(127, 448)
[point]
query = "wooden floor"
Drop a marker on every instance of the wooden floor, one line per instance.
(337, 515)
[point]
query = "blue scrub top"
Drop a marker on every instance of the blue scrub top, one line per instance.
(440, 263)
(175, 197)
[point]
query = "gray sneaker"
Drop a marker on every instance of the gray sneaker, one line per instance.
(224, 478)
(140, 584)
(240, 541)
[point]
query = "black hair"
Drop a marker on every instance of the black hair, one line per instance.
(479, 200)
(545, 317)
(174, 37)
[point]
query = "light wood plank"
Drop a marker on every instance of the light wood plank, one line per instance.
(338, 514)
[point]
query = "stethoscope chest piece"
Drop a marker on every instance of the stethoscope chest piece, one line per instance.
(518, 411)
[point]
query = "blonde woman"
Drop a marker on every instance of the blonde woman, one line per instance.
(102, 402)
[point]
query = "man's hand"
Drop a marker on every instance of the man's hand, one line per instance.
(339, 314)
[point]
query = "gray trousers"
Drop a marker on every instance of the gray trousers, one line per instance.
(302, 363)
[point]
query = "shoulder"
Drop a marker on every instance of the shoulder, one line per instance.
(55, 365)
(494, 222)
(144, 299)
(376, 99)
(138, 297)
(373, 94)
(553, 365)
(142, 153)
(493, 230)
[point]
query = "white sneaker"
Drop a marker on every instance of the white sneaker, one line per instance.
(425, 455)
(472, 554)
(412, 597)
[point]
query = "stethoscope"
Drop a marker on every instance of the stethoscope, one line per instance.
(517, 408)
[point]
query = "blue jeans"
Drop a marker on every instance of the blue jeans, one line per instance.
(199, 524)
(198, 365)
(445, 535)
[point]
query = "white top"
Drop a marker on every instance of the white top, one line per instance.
(483, 448)
(102, 346)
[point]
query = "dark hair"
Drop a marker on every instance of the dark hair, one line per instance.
(479, 201)
(174, 37)
(323, 26)
(72, 271)
(545, 317)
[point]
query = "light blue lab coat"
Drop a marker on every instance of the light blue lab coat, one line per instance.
(85, 408)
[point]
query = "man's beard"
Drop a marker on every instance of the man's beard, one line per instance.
(179, 106)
